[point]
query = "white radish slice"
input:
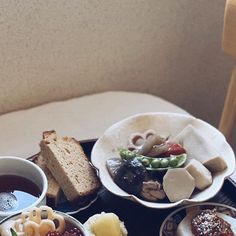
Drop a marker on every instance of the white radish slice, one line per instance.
(200, 173)
(178, 184)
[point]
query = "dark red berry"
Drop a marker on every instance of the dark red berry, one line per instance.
(73, 232)
(70, 232)
(53, 233)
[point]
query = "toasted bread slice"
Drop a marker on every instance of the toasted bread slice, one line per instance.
(69, 165)
(53, 192)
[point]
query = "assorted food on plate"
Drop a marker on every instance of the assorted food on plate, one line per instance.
(152, 165)
(206, 222)
(43, 221)
(68, 170)
(155, 167)
(206, 219)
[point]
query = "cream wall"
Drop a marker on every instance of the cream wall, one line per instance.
(57, 49)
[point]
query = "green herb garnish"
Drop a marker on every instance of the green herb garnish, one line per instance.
(13, 232)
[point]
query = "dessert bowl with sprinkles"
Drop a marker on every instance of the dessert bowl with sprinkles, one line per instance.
(205, 219)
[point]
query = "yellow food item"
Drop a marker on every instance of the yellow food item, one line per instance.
(105, 224)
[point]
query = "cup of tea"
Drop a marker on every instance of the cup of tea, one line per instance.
(23, 185)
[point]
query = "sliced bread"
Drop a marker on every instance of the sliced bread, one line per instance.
(69, 165)
(53, 192)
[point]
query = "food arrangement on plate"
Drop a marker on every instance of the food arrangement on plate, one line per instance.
(43, 221)
(62, 172)
(204, 219)
(188, 165)
(159, 160)
(69, 174)
(162, 160)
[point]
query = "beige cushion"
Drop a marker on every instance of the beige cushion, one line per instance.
(83, 118)
(56, 50)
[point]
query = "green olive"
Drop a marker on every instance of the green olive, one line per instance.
(164, 163)
(156, 163)
(173, 162)
(145, 162)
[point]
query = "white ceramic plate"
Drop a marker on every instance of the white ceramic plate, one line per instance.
(170, 224)
(165, 124)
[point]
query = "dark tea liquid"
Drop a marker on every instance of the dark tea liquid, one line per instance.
(17, 193)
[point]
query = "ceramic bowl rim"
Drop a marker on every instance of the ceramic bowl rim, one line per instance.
(44, 183)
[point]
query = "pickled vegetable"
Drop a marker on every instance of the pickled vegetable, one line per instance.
(155, 164)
